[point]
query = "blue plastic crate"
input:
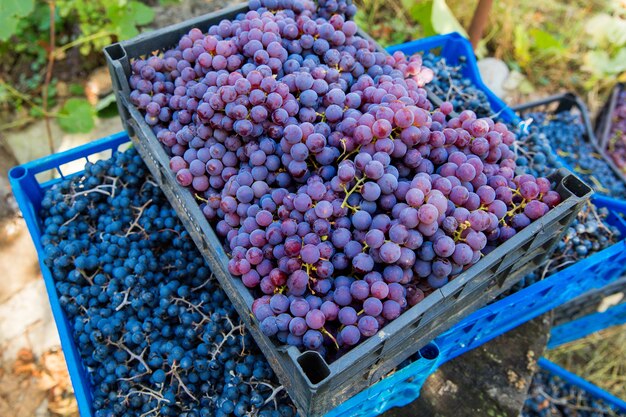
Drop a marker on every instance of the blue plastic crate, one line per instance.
(451, 47)
(29, 191)
(584, 326)
(573, 379)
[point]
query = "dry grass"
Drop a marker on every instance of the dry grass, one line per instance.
(600, 358)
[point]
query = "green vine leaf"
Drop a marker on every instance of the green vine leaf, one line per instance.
(11, 11)
(76, 116)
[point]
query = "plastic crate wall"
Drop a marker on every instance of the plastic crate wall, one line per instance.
(315, 385)
(451, 46)
(584, 326)
(573, 379)
(597, 301)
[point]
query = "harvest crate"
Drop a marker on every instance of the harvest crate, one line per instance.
(398, 389)
(29, 183)
(564, 103)
(616, 403)
(451, 47)
(584, 326)
(596, 301)
(315, 385)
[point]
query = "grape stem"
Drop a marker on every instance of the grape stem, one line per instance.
(180, 381)
(345, 204)
(325, 332)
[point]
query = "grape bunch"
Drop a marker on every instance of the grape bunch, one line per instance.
(617, 134)
(565, 134)
(550, 396)
(156, 334)
(342, 196)
(450, 85)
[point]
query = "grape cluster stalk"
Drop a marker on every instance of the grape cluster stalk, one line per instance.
(342, 196)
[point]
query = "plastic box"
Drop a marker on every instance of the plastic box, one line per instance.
(573, 379)
(397, 389)
(28, 188)
(451, 47)
(584, 326)
(597, 301)
(570, 102)
(315, 385)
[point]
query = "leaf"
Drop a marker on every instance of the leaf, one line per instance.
(106, 106)
(125, 19)
(521, 46)
(421, 13)
(141, 13)
(76, 116)
(545, 41)
(11, 11)
(443, 20)
(76, 89)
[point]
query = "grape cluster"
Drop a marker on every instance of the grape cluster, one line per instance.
(565, 134)
(617, 134)
(342, 196)
(450, 85)
(550, 396)
(154, 330)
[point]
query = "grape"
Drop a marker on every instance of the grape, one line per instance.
(379, 290)
(360, 290)
(148, 313)
(312, 339)
(350, 335)
(315, 319)
(372, 306)
(347, 316)
(297, 326)
(269, 326)
(391, 310)
(390, 252)
(299, 308)
(279, 303)
(368, 325)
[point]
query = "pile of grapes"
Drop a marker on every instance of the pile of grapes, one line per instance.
(563, 134)
(154, 330)
(342, 196)
(617, 134)
(550, 396)
(450, 85)
(588, 234)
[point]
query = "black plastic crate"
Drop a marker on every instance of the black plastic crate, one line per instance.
(567, 102)
(604, 122)
(315, 385)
